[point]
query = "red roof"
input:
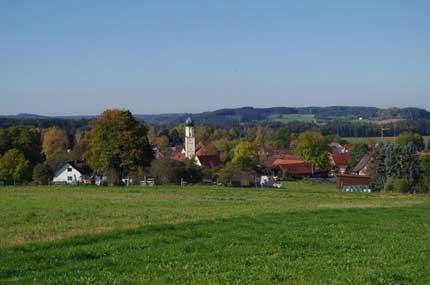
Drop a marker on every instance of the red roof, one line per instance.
(423, 153)
(287, 162)
(178, 156)
(339, 159)
(267, 156)
(210, 161)
(296, 168)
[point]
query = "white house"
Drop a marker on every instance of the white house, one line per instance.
(70, 172)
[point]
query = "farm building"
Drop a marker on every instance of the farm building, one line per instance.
(343, 180)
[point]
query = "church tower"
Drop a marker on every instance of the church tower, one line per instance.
(190, 140)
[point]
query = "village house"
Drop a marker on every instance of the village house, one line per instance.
(339, 162)
(70, 172)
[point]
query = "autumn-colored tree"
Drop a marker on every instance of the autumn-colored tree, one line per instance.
(210, 149)
(313, 148)
(81, 146)
(117, 144)
(55, 144)
(14, 167)
(244, 155)
(162, 143)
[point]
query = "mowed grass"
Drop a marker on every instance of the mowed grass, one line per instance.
(304, 234)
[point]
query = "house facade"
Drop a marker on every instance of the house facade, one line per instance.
(70, 172)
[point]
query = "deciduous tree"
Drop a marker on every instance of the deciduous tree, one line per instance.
(313, 148)
(117, 144)
(14, 167)
(245, 156)
(55, 144)
(407, 137)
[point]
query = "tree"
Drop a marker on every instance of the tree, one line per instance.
(165, 171)
(42, 174)
(377, 168)
(425, 167)
(356, 153)
(392, 161)
(117, 144)
(55, 144)
(175, 138)
(210, 149)
(283, 138)
(409, 162)
(407, 137)
(244, 156)
(313, 148)
(168, 171)
(14, 167)
(80, 147)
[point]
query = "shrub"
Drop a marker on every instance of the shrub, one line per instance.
(398, 185)
(42, 174)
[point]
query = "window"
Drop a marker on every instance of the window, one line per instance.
(69, 169)
(69, 178)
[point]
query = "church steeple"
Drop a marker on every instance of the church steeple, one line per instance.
(190, 140)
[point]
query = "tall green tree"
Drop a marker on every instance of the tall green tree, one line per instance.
(117, 144)
(393, 167)
(14, 167)
(42, 174)
(313, 148)
(410, 163)
(408, 137)
(425, 167)
(283, 138)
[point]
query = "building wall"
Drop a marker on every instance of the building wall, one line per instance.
(351, 180)
(190, 142)
(68, 174)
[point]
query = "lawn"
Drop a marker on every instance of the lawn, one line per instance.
(292, 118)
(377, 139)
(305, 233)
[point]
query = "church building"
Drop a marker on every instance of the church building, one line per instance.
(195, 152)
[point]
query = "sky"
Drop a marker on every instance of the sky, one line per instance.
(81, 57)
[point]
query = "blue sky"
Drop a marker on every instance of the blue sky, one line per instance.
(81, 57)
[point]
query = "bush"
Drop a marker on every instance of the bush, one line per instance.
(422, 188)
(42, 174)
(397, 185)
(167, 171)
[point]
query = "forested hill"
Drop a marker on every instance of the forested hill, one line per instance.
(235, 116)
(288, 114)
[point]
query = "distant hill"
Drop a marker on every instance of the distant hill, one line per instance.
(249, 115)
(254, 115)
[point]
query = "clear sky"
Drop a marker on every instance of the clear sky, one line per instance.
(81, 57)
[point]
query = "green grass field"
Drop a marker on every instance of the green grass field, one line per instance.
(303, 234)
(385, 139)
(292, 118)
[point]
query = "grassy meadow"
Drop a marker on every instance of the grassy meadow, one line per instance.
(303, 234)
(377, 139)
(287, 118)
